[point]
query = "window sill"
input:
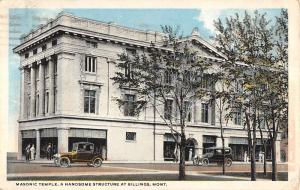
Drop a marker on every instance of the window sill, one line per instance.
(90, 73)
(130, 141)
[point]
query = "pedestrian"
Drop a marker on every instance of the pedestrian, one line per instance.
(27, 152)
(32, 152)
(49, 152)
(245, 156)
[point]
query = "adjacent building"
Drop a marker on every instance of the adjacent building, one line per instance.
(67, 95)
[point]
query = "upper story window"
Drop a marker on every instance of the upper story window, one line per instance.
(91, 44)
(44, 47)
(89, 101)
(131, 136)
(238, 86)
(168, 109)
(128, 67)
(128, 71)
(187, 110)
(34, 51)
(54, 42)
(205, 81)
(26, 55)
(204, 112)
(237, 116)
(47, 69)
(90, 64)
(129, 105)
(168, 76)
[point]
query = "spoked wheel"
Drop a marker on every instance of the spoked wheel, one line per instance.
(56, 162)
(196, 162)
(205, 162)
(228, 162)
(97, 162)
(64, 162)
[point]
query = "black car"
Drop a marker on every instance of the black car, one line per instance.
(214, 155)
(81, 152)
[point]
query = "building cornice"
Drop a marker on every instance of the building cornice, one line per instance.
(124, 120)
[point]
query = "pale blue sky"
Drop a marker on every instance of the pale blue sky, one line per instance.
(23, 20)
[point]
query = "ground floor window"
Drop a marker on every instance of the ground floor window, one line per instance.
(169, 149)
(208, 141)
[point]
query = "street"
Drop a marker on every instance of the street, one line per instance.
(128, 171)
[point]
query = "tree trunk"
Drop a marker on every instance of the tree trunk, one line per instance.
(265, 159)
(223, 151)
(274, 159)
(182, 158)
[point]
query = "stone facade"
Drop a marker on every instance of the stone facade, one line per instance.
(67, 94)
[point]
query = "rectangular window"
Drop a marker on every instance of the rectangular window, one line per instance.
(26, 55)
(168, 77)
(47, 69)
(204, 81)
(204, 112)
(238, 86)
(187, 111)
(47, 102)
(89, 101)
(237, 116)
(90, 64)
(91, 44)
(54, 43)
(128, 71)
(131, 136)
(129, 105)
(34, 51)
(168, 109)
(37, 106)
(44, 47)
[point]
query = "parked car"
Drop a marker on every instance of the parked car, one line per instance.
(81, 152)
(214, 155)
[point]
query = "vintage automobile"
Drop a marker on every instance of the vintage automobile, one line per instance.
(214, 155)
(81, 152)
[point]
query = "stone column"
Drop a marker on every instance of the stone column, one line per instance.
(32, 91)
(51, 86)
(22, 95)
(41, 89)
(19, 157)
(199, 147)
(38, 144)
(62, 139)
(278, 157)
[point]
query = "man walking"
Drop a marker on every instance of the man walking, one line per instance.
(27, 152)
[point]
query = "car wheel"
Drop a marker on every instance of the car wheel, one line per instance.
(196, 161)
(97, 162)
(205, 162)
(64, 162)
(228, 162)
(56, 162)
